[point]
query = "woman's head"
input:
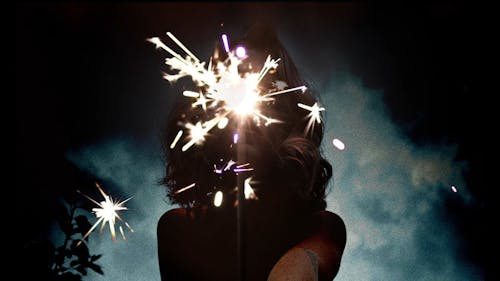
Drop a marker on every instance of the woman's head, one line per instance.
(281, 160)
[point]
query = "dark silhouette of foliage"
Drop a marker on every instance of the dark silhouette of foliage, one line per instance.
(69, 261)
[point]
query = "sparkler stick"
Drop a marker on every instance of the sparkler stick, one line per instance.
(241, 157)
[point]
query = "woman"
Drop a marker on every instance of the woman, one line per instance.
(284, 231)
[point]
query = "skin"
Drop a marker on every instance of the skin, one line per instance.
(202, 246)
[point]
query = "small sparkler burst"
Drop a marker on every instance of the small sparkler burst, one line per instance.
(107, 213)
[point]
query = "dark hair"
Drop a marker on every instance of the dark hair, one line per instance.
(287, 161)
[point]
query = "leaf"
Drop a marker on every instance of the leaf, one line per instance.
(96, 268)
(68, 276)
(74, 262)
(83, 224)
(95, 257)
(82, 270)
(81, 251)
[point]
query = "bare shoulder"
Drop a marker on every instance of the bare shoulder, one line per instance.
(326, 243)
(170, 220)
(333, 227)
(172, 216)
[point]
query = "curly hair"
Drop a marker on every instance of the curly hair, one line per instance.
(288, 164)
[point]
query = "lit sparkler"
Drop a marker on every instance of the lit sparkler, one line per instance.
(225, 87)
(107, 213)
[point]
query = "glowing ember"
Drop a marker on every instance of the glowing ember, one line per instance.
(107, 213)
(338, 144)
(218, 198)
(249, 193)
(241, 52)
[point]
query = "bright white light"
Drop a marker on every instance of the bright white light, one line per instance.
(454, 189)
(196, 132)
(218, 198)
(185, 188)
(240, 94)
(338, 144)
(249, 193)
(241, 52)
(235, 137)
(176, 139)
(106, 213)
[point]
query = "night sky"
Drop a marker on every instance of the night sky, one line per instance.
(403, 86)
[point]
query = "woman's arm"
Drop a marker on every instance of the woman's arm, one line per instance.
(318, 256)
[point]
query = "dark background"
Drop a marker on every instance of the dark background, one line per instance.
(84, 72)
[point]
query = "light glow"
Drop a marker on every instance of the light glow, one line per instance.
(107, 212)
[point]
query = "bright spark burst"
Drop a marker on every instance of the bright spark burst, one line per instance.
(314, 115)
(227, 89)
(107, 213)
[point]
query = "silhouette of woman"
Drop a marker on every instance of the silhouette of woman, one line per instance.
(287, 233)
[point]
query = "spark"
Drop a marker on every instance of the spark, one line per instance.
(280, 85)
(226, 167)
(232, 166)
(243, 170)
(202, 100)
(121, 232)
(222, 123)
(218, 198)
(454, 189)
(179, 43)
(185, 188)
(249, 192)
(191, 94)
(302, 88)
(226, 43)
(176, 139)
(314, 115)
(107, 213)
(338, 144)
(235, 137)
(196, 132)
